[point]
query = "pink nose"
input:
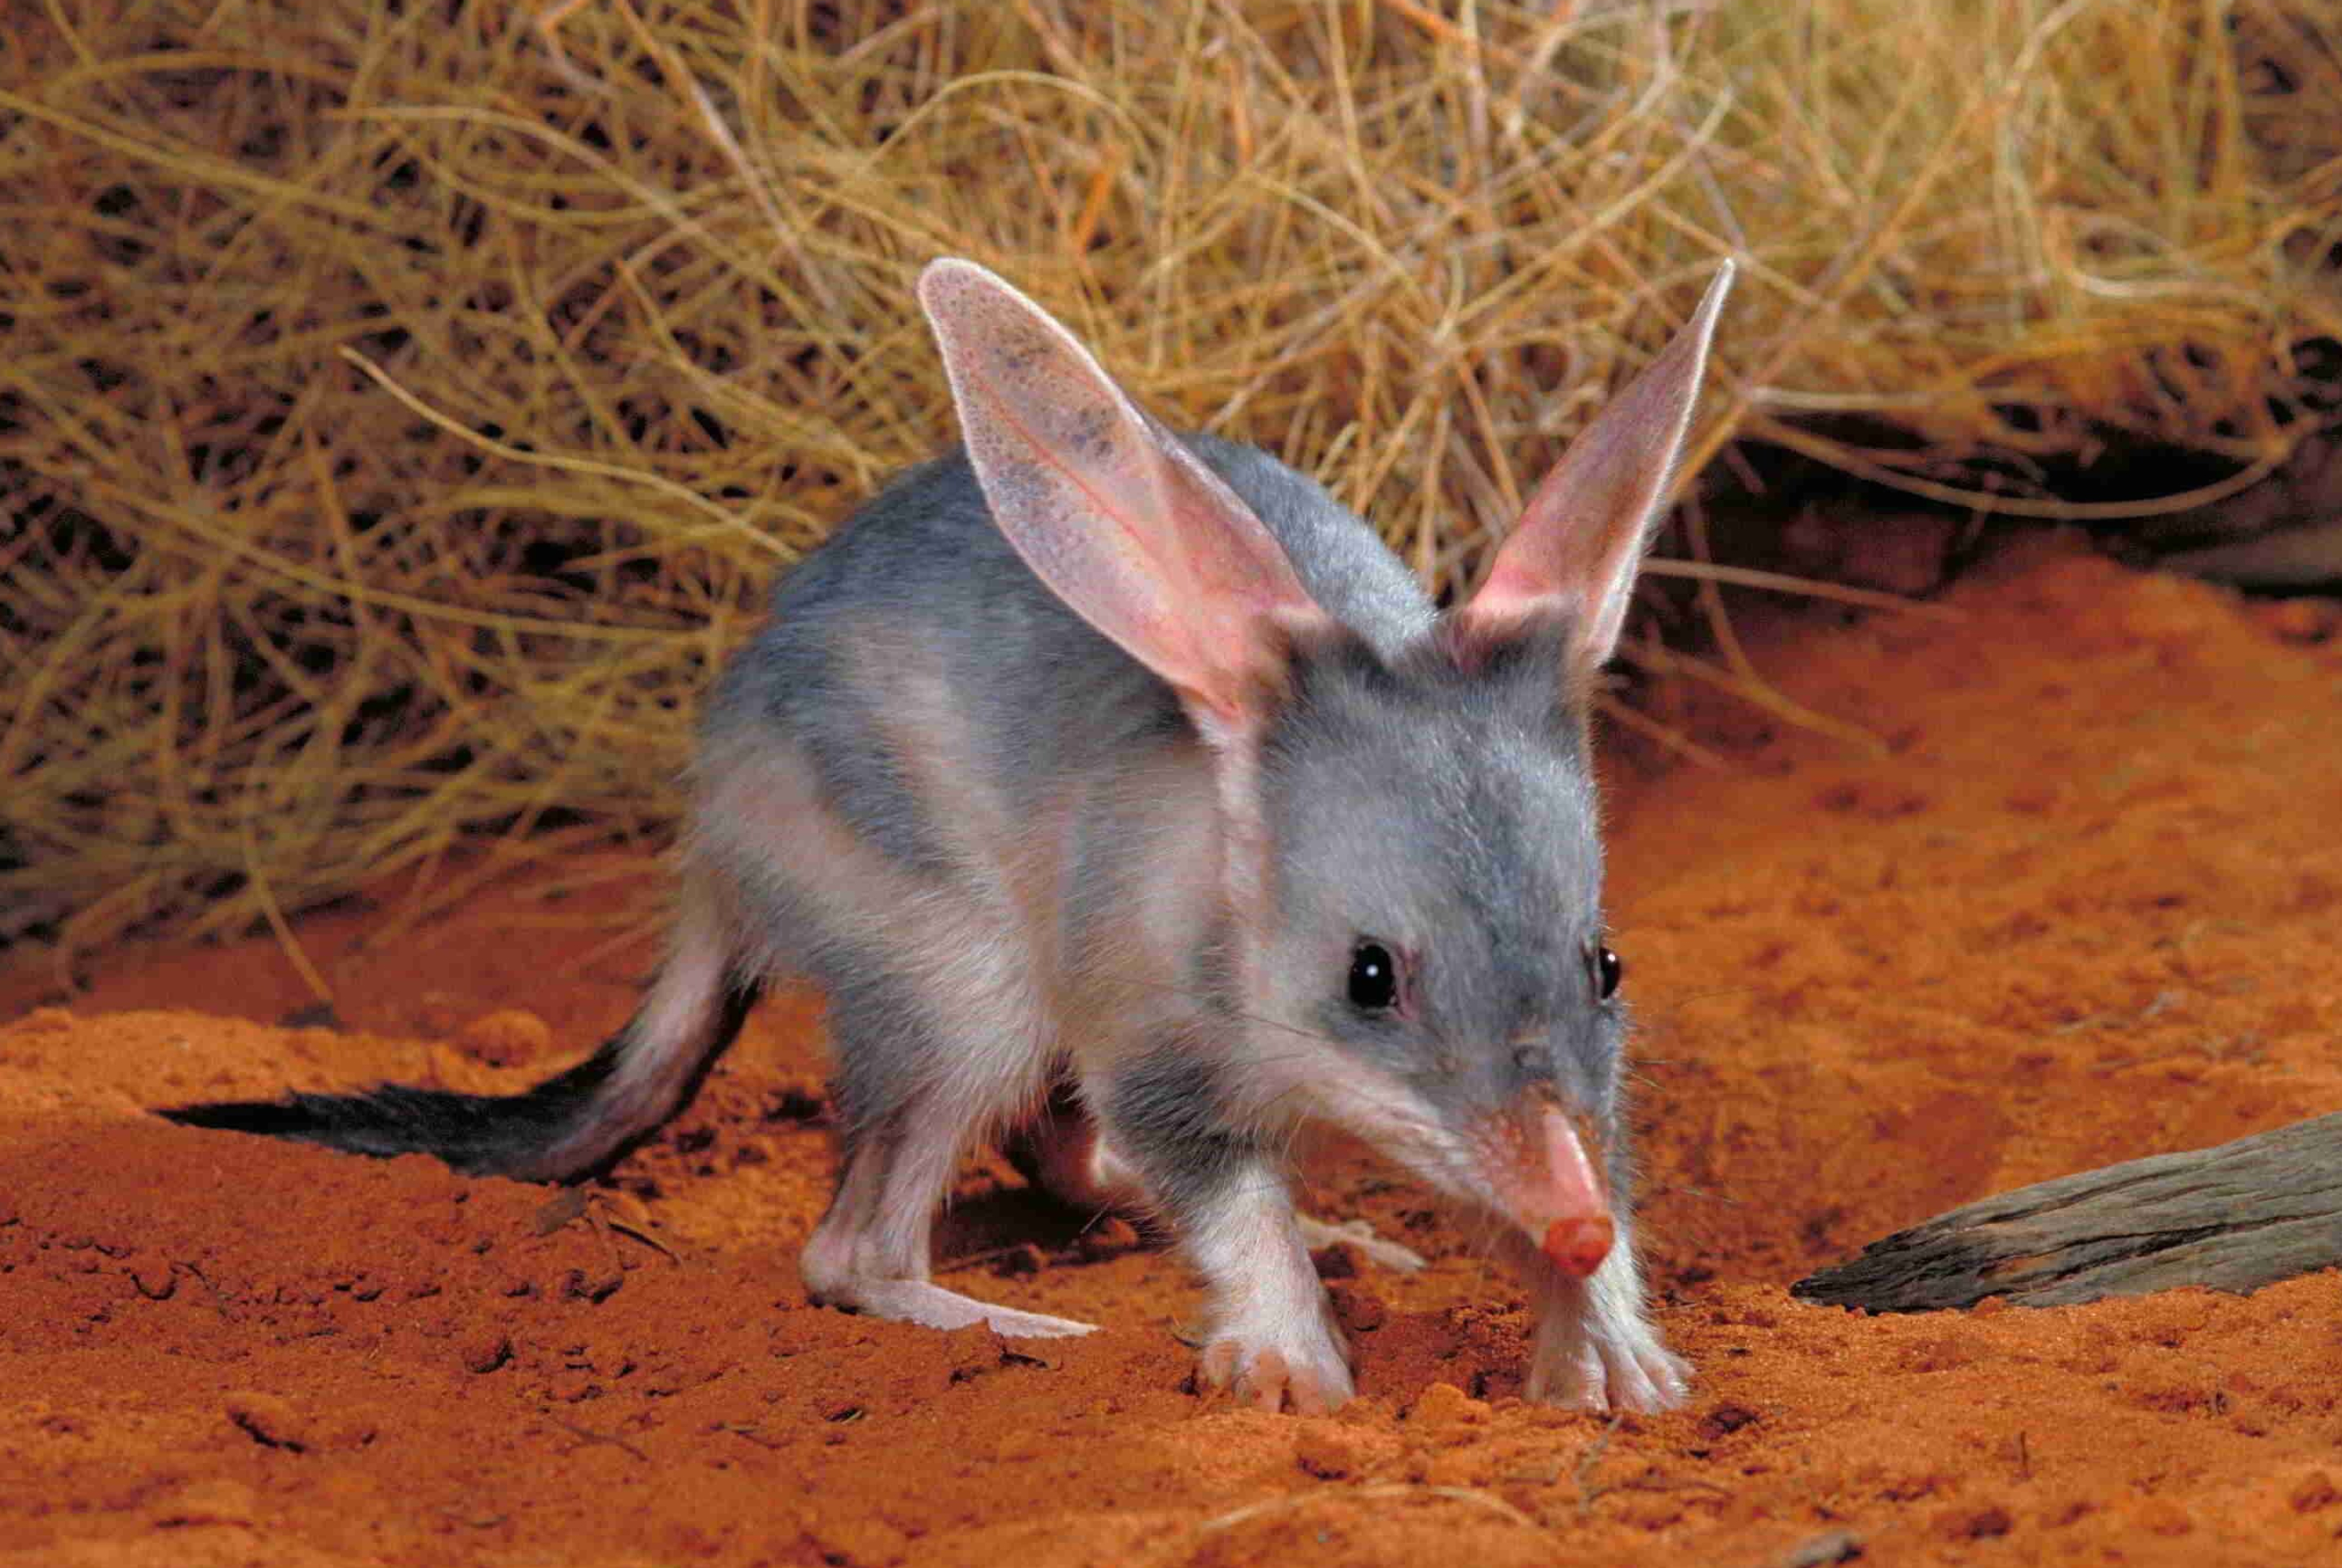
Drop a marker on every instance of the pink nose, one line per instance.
(1578, 1246)
(1546, 1176)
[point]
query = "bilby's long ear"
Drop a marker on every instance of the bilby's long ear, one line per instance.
(1578, 546)
(1109, 509)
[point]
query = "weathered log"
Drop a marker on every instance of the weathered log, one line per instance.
(2235, 1217)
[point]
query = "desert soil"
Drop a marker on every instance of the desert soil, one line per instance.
(2079, 907)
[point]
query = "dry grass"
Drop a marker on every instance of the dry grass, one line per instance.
(402, 406)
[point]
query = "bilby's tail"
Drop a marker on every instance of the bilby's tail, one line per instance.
(572, 1125)
(569, 1126)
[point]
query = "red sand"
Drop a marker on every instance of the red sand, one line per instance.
(2083, 911)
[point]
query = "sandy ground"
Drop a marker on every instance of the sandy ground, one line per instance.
(2082, 909)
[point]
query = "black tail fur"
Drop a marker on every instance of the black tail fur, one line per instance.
(481, 1135)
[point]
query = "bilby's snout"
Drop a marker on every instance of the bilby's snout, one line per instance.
(1544, 1171)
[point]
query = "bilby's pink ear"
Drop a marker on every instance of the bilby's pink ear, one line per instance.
(1109, 509)
(1578, 546)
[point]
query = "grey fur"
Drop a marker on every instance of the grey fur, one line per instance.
(1017, 851)
(924, 555)
(1177, 1124)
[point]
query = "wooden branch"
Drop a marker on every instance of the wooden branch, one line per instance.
(2236, 1217)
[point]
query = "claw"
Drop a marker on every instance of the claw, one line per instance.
(1644, 1379)
(1315, 1382)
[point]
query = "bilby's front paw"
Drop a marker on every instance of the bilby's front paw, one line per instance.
(1650, 1378)
(1309, 1368)
(1631, 1371)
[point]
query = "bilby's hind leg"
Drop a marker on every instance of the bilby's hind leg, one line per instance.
(1317, 1235)
(914, 1093)
(1064, 1153)
(908, 920)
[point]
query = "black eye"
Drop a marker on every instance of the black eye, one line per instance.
(1373, 978)
(1608, 970)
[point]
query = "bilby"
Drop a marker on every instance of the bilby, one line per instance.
(1097, 758)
